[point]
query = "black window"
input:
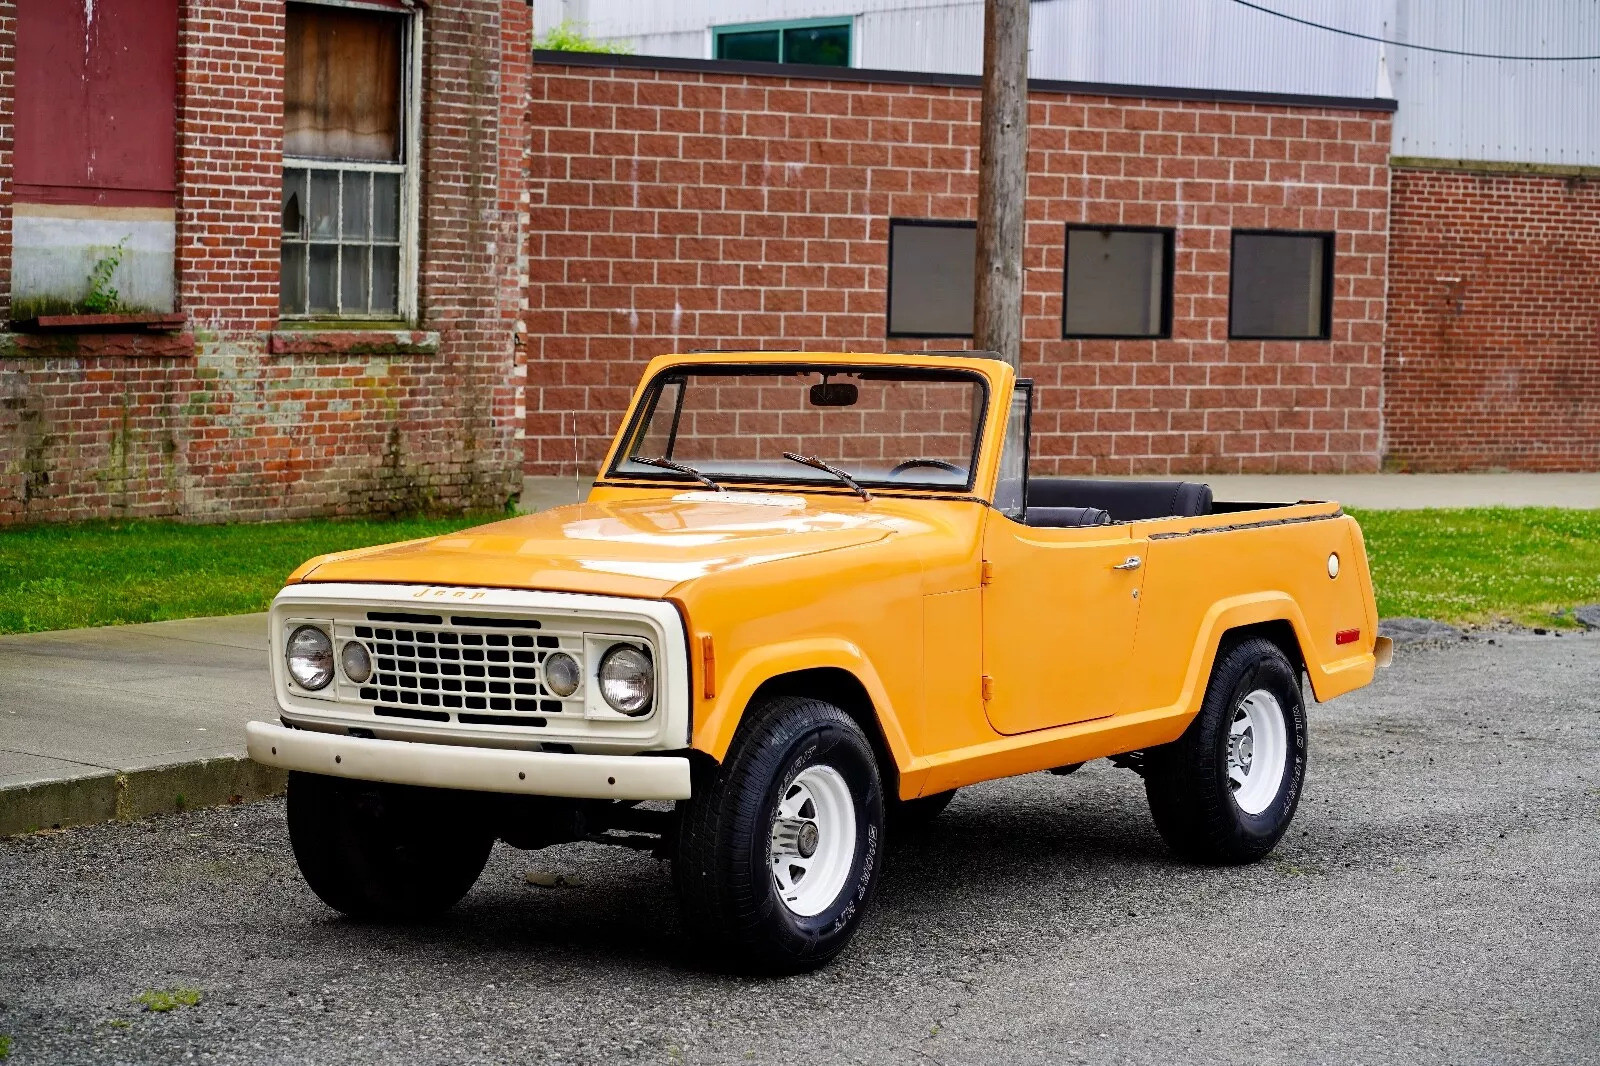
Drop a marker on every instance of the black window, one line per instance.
(1281, 286)
(1118, 282)
(824, 43)
(931, 277)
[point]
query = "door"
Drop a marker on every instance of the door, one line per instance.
(1059, 611)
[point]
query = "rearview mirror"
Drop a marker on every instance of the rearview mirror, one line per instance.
(834, 394)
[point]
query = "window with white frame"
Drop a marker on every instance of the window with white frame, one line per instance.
(349, 136)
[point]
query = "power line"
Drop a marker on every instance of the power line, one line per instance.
(1408, 44)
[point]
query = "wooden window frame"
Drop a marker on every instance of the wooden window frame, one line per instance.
(408, 167)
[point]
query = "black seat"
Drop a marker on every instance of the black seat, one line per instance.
(1063, 517)
(1127, 501)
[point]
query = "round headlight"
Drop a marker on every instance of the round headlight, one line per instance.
(561, 674)
(356, 661)
(627, 680)
(309, 654)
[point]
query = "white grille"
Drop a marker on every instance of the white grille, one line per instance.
(472, 670)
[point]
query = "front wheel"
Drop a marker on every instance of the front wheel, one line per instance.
(1225, 791)
(384, 852)
(779, 850)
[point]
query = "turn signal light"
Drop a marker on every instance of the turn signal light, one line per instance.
(1347, 636)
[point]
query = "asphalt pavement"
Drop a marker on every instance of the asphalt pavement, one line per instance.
(1437, 900)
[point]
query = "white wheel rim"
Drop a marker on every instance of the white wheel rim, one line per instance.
(813, 840)
(1258, 751)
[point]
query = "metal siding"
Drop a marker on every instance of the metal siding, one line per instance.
(1450, 107)
(1453, 107)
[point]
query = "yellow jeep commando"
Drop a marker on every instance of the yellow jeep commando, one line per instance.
(808, 598)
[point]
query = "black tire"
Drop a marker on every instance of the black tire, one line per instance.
(723, 866)
(384, 853)
(1187, 781)
(912, 814)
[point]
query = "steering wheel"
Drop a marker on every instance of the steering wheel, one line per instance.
(936, 464)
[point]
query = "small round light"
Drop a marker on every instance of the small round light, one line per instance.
(1333, 565)
(561, 674)
(356, 661)
(627, 680)
(309, 655)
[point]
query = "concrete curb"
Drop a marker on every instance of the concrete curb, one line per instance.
(136, 794)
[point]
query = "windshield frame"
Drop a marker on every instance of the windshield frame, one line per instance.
(650, 396)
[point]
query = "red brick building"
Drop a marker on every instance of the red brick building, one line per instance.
(677, 204)
(340, 209)
(1493, 351)
(374, 255)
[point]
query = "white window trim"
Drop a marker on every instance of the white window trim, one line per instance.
(409, 167)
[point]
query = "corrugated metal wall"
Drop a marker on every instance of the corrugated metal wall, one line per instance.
(1457, 108)
(1450, 107)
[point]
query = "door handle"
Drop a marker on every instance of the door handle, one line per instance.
(1133, 563)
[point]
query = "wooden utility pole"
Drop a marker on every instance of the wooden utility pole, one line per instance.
(1002, 179)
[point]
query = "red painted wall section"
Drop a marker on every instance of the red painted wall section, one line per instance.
(95, 91)
(1493, 349)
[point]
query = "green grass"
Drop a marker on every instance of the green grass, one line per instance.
(162, 1000)
(107, 573)
(1529, 566)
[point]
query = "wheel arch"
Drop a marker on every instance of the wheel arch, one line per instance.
(840, 687)
(831, 670)
(1279, 631)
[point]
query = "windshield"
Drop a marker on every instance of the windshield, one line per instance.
(887, 427)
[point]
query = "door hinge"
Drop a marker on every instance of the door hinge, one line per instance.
(988, 687)
(986, 574)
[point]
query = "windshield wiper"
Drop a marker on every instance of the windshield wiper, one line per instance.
(668, 464)
(817, 464)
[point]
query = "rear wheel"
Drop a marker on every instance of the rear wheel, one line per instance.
(779, 849)
(384, 852)
(1227, 789)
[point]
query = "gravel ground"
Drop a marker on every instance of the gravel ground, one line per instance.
(1437, 900)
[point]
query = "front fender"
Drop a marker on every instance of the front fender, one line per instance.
(716, 724)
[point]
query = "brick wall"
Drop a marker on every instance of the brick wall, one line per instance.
(230, 420)
(8, 35)
(677, 209)
(1494, 322)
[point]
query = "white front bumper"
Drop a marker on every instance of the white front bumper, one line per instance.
(533, 773)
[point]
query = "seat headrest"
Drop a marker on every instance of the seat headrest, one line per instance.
(1066, 517)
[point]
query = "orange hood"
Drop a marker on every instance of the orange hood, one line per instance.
(640, 547)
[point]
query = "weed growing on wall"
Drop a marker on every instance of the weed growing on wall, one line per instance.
(103, 298)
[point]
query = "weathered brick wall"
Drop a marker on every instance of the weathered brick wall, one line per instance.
(1494, 322)
(236, 422)
(675, 210)
(8, 36)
